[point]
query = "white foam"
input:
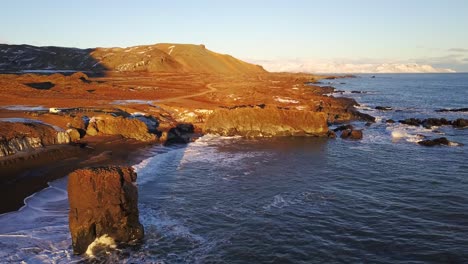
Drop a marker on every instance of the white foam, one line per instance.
(150, 168)
(411, 134)
(104, 241)
(207, 150)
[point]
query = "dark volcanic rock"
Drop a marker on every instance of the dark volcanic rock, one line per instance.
(411, 122)
(453, 110)
(182, 134)
(435, 142)
(343, 127)
(390, 121)
(460, 123)
(103, 201)
(358, 92)
(364, 117)
(384, 108)
(430, 122)
(331, 134)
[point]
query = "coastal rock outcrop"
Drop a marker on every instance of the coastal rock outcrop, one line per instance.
(351, 134)
(266, 122)
(460, 123)
(103, 202)
(16, 136)
(127, 127)
(182, 133)
(435, 142)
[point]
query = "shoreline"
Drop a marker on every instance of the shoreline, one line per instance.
(38, 167)
(301, 108)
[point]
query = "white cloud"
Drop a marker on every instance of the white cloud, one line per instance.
(318, 66)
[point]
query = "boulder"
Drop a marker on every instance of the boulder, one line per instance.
(411, 122)
(63, 138)
(430, 122)
(182, 134)
(390, 121)
(351, 134)
(331, 134)
(266, 122)
(74, 134)
(383, 108)
(435, 142)
(460, 123)
(343, 127)
(103, 202)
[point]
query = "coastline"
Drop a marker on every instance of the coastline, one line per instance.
(296, 99)
(30, 172)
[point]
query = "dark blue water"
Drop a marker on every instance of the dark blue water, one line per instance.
(384, 199)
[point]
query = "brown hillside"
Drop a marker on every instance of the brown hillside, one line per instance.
(196, 58)
(138, 58)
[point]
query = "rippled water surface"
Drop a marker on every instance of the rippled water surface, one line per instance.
(292, 200)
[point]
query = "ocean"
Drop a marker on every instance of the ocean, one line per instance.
(384, 199)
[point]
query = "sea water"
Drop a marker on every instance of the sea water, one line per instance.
(384, 199)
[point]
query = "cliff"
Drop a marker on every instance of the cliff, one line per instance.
(255, 122)
(16, 137)
(103, 202)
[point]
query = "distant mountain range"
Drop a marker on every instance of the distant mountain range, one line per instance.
(300, 65)
(148, 58)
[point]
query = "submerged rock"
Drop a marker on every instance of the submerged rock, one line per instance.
(384, 108)
(351, 134)
(435, 142)
(453, 110)
(430, 122)
(343, 127)
(103, 202)
(460, 123)
(411, 122)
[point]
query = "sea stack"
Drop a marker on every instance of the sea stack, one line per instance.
(103, 203)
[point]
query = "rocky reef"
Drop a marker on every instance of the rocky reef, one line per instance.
(269, 121)
(103, 203)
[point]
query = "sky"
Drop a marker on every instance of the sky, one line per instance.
(298, 32)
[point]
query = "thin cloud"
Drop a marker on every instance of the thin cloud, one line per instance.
(458, 50)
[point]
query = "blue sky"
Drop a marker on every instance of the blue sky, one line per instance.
(427, 32)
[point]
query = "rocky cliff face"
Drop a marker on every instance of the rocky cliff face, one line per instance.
(16, 137)
(127, 127)
(258, 122)
(103, 202)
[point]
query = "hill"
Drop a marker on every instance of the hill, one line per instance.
(196, 58)
(147, 58)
